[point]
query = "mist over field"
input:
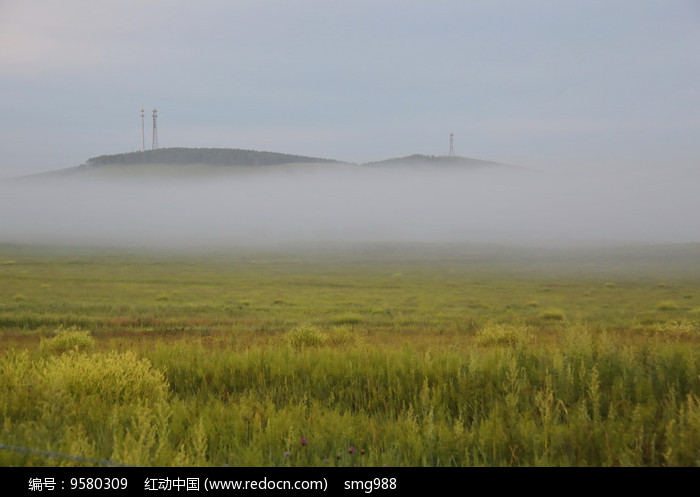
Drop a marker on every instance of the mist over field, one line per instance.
(348, 203)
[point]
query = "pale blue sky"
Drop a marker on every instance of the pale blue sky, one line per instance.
(563, 85)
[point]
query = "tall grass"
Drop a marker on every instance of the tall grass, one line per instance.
(586, 402)
(294, 363)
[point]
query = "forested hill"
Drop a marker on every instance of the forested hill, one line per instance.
(208, 156)
(434, 160)
(205, 162)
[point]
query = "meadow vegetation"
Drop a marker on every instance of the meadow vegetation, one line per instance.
(351, 356)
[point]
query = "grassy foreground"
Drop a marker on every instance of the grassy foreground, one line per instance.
(351, 356)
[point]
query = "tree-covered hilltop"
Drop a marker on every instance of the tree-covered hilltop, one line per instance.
(194, 162)
(433, 160)
(208, 156)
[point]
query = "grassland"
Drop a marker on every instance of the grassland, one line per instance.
(369, 355)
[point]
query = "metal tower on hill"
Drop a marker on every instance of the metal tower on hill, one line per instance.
(143, 133)
(452, 145)
(155, 129)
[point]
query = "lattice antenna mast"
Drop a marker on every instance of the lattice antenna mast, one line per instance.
(155, 129)
(143, 133)
(452, 145)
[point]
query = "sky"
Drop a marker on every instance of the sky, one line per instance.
(557, 85)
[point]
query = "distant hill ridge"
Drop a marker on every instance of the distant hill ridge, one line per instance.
(207, 161)
(441, 160)
(209, 156)
(240, 157)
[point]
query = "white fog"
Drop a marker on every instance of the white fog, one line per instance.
(343, 203)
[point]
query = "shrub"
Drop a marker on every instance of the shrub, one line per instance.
(114, 378)
(667, 305)
(305, 335)
(88, 385)
(503, 334)
(68, 339)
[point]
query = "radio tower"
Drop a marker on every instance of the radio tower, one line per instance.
(452, 145)
(143, 133)
(155, 129)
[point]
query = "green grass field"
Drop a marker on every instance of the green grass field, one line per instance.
(364, 355)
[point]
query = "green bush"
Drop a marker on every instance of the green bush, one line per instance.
(115, 378)
(503, 334)
(667, 305)
(68, 339)
(306, 335)
(106, 406)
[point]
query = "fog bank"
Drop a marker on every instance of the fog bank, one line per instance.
(353, 204)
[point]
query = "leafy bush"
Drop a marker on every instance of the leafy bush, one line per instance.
(503, 334)
(106, 406)
(68, 339)
(306, 335)
(115, 378)
(667, 305)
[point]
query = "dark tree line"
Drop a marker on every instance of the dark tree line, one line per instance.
(208, 156)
